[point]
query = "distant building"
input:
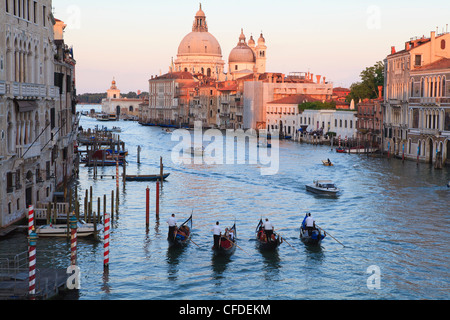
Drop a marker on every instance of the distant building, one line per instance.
(119, 106)
(370, 122)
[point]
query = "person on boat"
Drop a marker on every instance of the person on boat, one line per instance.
(172, 222)
(310, 223)
(217, 233)
(231, 235)
(329, 161)
(268, 229)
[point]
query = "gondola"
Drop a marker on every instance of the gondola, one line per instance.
(182, 234)
(227, 244)
(153, 177)
(314, 237)
(262, 240)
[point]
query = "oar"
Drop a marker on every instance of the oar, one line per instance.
(287, 242)
(194, 243)
(330, 235)
(239, 247)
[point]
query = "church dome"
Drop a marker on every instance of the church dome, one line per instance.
(242, 53)
(199, 44)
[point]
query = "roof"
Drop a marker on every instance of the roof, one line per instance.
(175, 75)
(295, 99)
(444, 63)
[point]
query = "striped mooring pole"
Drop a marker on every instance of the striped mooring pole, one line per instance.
(30, 219)
(32, 240)
(73, 240)
(106, 232)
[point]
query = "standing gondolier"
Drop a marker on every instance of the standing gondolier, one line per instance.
(217, 232)
(268, 229)
(172, 222)
(310, 223)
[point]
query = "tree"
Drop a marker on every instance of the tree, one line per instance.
(367, 88)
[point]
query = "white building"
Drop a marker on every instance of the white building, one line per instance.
(119, 106)
(343, 123)
(37, 108)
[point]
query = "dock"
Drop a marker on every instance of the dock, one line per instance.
(14, 279)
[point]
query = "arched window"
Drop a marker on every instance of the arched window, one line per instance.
(443, 93)
(131, 109)
(208, 72)
(443, 44)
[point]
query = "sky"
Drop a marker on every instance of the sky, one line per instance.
(135, 39)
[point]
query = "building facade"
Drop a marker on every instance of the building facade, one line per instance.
(37, 107)
(429, 113)
(125, 108)
(402, 90)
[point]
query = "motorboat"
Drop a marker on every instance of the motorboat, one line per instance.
(60, 230)
(323, 187)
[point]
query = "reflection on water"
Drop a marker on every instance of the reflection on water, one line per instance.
(390, 214)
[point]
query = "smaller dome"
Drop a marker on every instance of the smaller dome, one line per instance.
(261, 39)
(200, 12)
(242, 53)
(251, 42)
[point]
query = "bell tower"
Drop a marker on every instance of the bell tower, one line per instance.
(261, 58)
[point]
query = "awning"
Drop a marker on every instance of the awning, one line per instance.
(26, 105)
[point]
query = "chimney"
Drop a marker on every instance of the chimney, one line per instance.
(324, 80)
(312, 77)
(433, 46)
(392, 50)
(318, 78)
(407, 46)
(380, 92)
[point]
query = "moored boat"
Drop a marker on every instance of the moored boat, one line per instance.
(152, 177)
(60, 230)
(323, 187)
(227, 244)
(263, 242)
(327, 163)
(182, 234)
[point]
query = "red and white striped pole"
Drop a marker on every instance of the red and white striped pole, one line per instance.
(30, 219)
(32, 240)
(106, 231)
(73, 240)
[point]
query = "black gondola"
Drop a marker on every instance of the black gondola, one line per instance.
(263, 242)
(182, 234)
(227, 244)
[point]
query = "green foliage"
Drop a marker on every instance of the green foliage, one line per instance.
(317, 105)
(367, 88)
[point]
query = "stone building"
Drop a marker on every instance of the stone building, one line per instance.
(125, 108)
(37, 107)
(402, 89)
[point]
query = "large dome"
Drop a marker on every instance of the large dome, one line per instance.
(200, 43)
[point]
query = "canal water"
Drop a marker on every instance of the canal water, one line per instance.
(387, 237)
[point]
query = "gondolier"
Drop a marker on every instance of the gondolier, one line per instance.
(310, 223)
(172, 222)
(217, 232)
(268, 229)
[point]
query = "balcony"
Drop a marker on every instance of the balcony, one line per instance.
(28, 90)
(28, 151)
(2, 87)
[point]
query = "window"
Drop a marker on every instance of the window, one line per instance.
(443, 44)
(418, 60)
(44, 14)
(7, 6)
(9, 182)
(35, 12)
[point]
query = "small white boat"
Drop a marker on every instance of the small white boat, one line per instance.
(362, 150)
(60, 230)
(323, 187)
